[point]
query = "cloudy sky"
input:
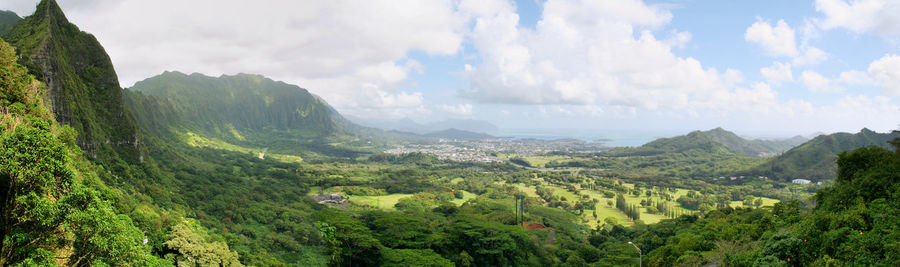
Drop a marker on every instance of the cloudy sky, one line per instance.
(760, 68)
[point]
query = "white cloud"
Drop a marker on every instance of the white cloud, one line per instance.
(796, 107)
(849, 113)
(855, 77)
(810, 56)
(873, 112)
(461, 109)
(886, 72)
(590, 53)
(352, 53)
(817, 82)
(778, 73)
(775, 41)
(679, 39)
(861, 16)
(760, 98)
(780, 41)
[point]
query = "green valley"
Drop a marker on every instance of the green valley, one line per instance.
(243, 170)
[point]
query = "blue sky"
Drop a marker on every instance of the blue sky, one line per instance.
(554, 65)
(718, 40)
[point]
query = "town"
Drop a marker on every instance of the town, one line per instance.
(488, 150)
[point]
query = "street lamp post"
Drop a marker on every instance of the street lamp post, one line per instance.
(640, 255)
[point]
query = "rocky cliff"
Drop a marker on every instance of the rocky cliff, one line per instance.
(82, 83)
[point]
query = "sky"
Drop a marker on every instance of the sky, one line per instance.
(759, 68)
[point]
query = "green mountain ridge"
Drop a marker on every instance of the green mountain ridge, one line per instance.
(8, 20)
(83, 86)
(247, 110)
(716, 141)
(815, 159)
(730, 140)
(246, 102)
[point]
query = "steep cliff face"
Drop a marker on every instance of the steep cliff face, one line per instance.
(82, 84)
(245, 102)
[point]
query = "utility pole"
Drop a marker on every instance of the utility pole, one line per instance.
(516, 200)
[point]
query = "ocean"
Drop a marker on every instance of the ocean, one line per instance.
(615, 138)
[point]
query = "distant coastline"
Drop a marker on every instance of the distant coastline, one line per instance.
(615, 138)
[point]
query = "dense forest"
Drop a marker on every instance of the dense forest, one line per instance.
(206, 174)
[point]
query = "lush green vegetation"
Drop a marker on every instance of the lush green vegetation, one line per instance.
(195, 191)
(729, 140)
(815, 160)
(8, 20)
(233, 108)
(55, 210)
(855, 223)
(82, 84)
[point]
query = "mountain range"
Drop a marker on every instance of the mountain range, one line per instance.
(8, 20)
(716, 140)
(815, 159)
(786, 159)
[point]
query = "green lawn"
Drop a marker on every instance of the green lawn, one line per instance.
(384, 202)
(604, 210)
(466, 197)
(540, 161)
(561, 192)
(527, 189)
(196, 140)
(766, 202)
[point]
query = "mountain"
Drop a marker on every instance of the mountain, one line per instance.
(54, 210)
(815, 159)
(716, 140)
(8, 20)
(750, 147)
(411, 126)
(250, 111)
(458, 134)
(226, 106)
(82, 83)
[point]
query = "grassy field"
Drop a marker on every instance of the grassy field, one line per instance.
(466, 197)
(527, 189)
(541, 161)
(604, 210)
(765, 202)
(536, 161)
(195, 140)
(384, 202)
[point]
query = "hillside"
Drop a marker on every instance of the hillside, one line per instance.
(242, 102)
(751, 147)
(82, 83)
(244, 113)
(731, 141)
(854, 223)
(8, 20)
(815, 160)
(54, 210)
(716, 140)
